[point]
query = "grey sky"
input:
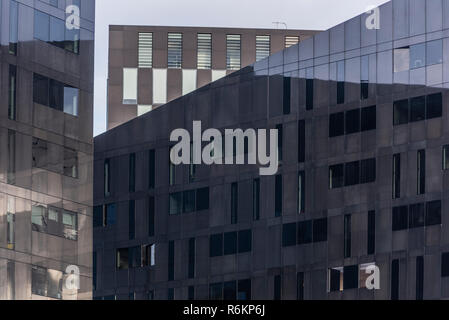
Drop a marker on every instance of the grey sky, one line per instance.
(297, 14)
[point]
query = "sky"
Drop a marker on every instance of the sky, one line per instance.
(297, 14)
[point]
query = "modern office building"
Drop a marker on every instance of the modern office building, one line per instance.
(46, 67)
(362, 115)
(150, 66)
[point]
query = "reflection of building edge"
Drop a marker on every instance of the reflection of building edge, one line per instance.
(46, 139)
(364, 143)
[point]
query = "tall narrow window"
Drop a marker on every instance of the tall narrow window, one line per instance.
(191, 293)
(352, 173)
(290, 41)
(280, 130)
(13, 27)
(234, 203)
(171, 260)
(301, 141)
(309, 88)
(151, 169)
(130, 85)
(233, 53)
(395, 279)
(278, 196)
(192, 166)
(256, 199)
(132, 219)
(287, 93)
(421, 172)
(12, 92)
(336, 176)
(171, 171)
(300, 286)
(446, 157)
(396, 176)
(204, 52)
(151, 209)
(277, 288)
(11, 280)
(11, 178)
(174, 50)
(347, 236)
(10, 232)
(263, 47)
(192, 254)
(419, 278)
(145, 50)
(107, 178)
(301, 192)
(70, 163)
(371, 232)
(132, 172)
(364, 78)
(340, 82)
(445, 264)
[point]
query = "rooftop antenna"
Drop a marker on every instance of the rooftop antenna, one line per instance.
(277, 23)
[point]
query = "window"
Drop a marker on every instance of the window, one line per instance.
(11, 176)
(10, 234)
(335, 279)
(396, 183)
(347, 236)
(41, 89)
(171, 260)
(433, 213)
(352, 121)
(400, 112)
(263, 47)
(300, 286)
(434, 52)
(148, 254)
(229, 290)
(145, 50)
(98, 216)
(13, 26)
(352, 173)
(305, 233)
(216, 245)
(368, 171)
(151, 169)
(368, 118)
(107, 177)
(277, 287)
(401, 59)
(151, 223)
(130, 85)
(256, 199)
(340, 82)
(110, 214)
(202, 199)
(132, 172)
(400, 218)
(244, 290)
(216, 291)
(446, 157)
(309, 88)
(70, 163)
(421, 172)
(350, 277)
(280, 130)
(364, 78)
(417, 109)
(191, 293)
(395, 280)
(234, 203)
(287, 94)
(336, 124)
(57, 36)
(278, 196)
(301, 192)
(189, 201)
(371, 232)
(192, 166)
(336, 176)
(434, 106)
(12, 92)
(41, 26)
(176, 203)
(416, 215)
(70, 225)
(192, 254)
(204, 52)
(230, 243)
(320, 230)
(171, 171)
(289, 235)
(291, 41)
(233, 54)
(132, 219)
(445, 264)
(122, 259)
(417, 56)
(174, 50)
(245, 241)
(301, 141)
(46, 282)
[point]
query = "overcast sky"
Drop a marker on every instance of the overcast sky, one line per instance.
(297, 14)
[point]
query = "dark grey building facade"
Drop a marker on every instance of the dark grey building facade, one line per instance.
(363, 120)
(46, 98)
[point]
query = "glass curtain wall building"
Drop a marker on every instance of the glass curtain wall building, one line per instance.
(363, 180)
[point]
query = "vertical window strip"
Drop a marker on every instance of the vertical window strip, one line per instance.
(263, 46)
(145, 50)
(174, 50)
(204, 51)
(233, 53)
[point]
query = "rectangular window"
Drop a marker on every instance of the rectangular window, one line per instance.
(278, 196)
(352, 121)
(301, 192)
(57, 36)
(395, 279)
(418, 109)
(256, 199)
(132, 219)
(416, 215)
(401, 59)
(433, 213)
(400, 112)
(151, 210)
(13, 26)
(434, 106)
(10, 233)
(290, 41)
(434, 52)
(98, 217)
(233, 54)
(176, 203)
(171, 171)
(110, 214)
(336, 124)
(234, 203)
(340, 82)
(400, 218)
(230, 243)
(70, 163)
(244, 290)
(368, 171)
(347, 236)
(371, 232)
(216, 291)
(216, 245)
(229, 291)
(280, 129)
(352, 173)
(287, 95)
(445, 264)
(368, 118)
(191, 293)
(151, 169)
(204, 52)
(446, 157)
(12, 92)
(202, 199)
(174, 50)
(421, 172)
(130, 85)
(364, 77)
(417, 56)
(41, 26)
(419, 278)
(350, 277)
(245, 241)
(300, 286)
(192, 166)
(192, 255)
(309, 88)
(107, 177)
(396, 183)
(70, 225)
(11, 176)
(335, 281)
(188, 201)
(145, 50)
(289, 235)
(301, 141)
(263, 47)
(336, 176)
(277, 288)
(132, 172)
(305, 234)
(171, 260)
(320, 230)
